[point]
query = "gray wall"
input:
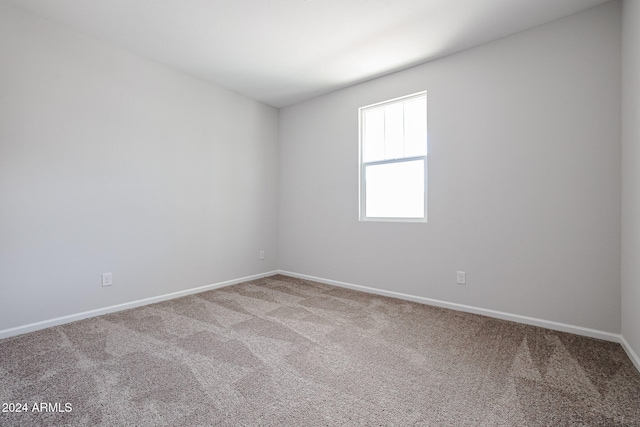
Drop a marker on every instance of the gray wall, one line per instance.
(524, 179)
(631, 175)
(110, 163)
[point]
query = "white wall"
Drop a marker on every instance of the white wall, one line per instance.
(631, 175)
(524, 179)
(111, 163)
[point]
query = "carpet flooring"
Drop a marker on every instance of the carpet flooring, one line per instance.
(281, 351)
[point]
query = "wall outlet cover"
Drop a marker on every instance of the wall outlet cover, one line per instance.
(107, 279)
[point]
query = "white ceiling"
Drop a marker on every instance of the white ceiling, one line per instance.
(285, 51)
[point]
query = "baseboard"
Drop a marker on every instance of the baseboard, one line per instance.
(19, 330)
(632, 354)
(578, 330)
(556, 326)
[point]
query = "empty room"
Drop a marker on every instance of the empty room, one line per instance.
(320, 212)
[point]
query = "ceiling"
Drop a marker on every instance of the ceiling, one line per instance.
(285, 51)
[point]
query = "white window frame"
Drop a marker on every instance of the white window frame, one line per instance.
(362, 165)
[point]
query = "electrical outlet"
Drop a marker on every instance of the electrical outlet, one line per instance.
(462, 278)
(107, 279)
(261, 254)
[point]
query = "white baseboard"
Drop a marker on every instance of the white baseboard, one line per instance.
(632, 354)
(556, 326)
(578, 330)
(19, 330)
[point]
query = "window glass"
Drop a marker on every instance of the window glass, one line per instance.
(415, 128)
(393, 153)
(395, 190)
(373, 150)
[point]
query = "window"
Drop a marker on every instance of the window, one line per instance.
(393, 160)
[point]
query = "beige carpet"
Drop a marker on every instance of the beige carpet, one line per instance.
(282, 351)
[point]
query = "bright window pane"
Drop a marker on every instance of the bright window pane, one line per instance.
(393, 132)
(395, 190)
(415, 128)
(373, 138)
